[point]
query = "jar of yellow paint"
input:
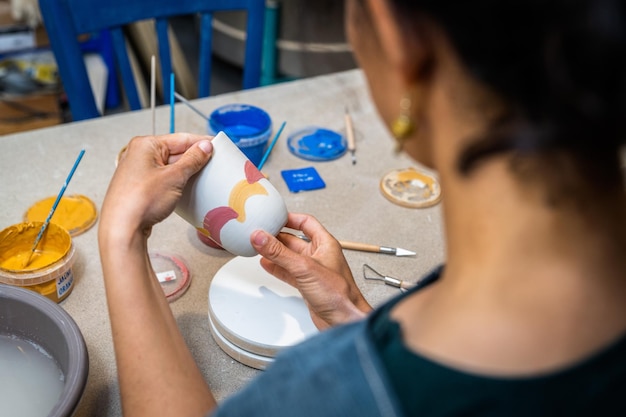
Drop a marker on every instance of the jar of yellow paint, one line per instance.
(49, 271)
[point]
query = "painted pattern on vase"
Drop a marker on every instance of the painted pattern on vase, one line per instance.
(230, 198)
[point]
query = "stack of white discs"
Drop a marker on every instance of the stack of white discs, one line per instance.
(253, 315)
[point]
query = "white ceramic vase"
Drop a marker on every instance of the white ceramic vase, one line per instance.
(230, 198)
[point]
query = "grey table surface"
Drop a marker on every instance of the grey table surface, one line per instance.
(34, 164)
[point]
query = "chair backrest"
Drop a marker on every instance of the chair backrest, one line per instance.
(66, 20)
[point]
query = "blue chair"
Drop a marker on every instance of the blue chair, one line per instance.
(66, 20)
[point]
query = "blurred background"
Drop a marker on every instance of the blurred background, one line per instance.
(309, 41)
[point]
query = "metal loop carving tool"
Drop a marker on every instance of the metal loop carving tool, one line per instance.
(368, 271)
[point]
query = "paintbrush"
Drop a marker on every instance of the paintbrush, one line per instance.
(172, 118)
(350, 135)
(44, 226)
(191, 106)
(365, 247)
(269, 149)
(152, 95)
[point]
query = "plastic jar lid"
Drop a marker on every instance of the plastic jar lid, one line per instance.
(172, 273)
(75, 213)
(411, 188)
(317, 144)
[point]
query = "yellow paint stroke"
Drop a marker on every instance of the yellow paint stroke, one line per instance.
(205, 237)
(240, 194)
(203, 231)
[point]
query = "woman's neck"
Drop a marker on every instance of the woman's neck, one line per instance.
(527, 287)
(496, 220)
(517, 215)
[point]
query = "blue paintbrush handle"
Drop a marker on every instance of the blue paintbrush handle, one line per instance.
(172, 99)
(56, 202)
(269, 149)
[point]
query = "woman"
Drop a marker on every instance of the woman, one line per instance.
(520, 107)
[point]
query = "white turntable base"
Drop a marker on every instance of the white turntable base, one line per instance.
(254, 315)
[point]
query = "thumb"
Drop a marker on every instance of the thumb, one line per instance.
(195, 158)
(267, 245)
(281, 259)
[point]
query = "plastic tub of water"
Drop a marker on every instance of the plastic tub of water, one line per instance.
(249, 127)
(43, 357)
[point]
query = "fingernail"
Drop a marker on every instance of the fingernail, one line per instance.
(259, 238)
(206, 146)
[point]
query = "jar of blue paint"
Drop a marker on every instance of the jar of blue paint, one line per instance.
(249, 127)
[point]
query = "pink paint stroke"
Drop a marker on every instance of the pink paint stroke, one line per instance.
(252, 173)
(215, 219)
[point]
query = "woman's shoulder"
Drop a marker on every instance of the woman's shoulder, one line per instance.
(333, 373)
(312, 375)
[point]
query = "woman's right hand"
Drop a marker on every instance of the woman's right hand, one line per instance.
(150, 177)
(317, 269)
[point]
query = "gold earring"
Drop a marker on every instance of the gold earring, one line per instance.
(403, 126)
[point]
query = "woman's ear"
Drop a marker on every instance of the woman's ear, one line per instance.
(408, 49)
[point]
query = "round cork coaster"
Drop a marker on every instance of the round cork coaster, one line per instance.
(411, 188)
(75, 213)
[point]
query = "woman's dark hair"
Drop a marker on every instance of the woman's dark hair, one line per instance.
(559, 66)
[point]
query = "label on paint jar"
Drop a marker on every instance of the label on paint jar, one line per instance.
(166, 276)
(64, 283)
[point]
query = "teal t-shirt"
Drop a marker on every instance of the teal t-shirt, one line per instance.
(594, 387)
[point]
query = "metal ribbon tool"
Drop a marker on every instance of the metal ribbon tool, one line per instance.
(394, 282)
